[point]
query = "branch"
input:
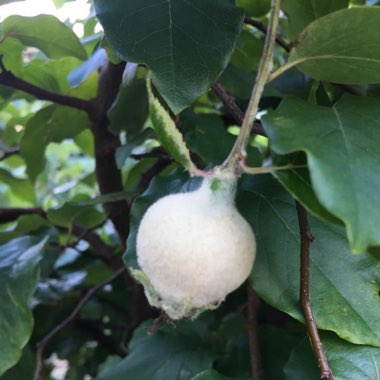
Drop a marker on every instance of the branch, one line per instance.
(254, 346)
(260, 26)
(234, 109)
(107, 173)
(103, 251)
(146, 177)
(7, 151)
(8, 215)
(7, 78)
(306, 239)
(70, 318)
(265, 67)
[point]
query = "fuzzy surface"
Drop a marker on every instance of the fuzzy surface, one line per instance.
(195, 248)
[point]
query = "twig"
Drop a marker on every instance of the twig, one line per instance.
(234, 109)
(103, 251)
(7, 78)
(86, 231)
(260, 26)
(269, 169)
(7, 151)
(265, 67)
(254, 346)
(42, 344)
(306, 239)
(11, 214)
(159, 165)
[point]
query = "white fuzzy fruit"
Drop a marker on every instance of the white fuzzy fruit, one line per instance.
(194, 248)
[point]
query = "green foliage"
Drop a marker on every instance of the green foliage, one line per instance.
(37, 31)
(179, 353)
(349, 37)
(346, 360)
(294, 127)
(184, 62)
(88, 143)
(258, 8)
(302, 13)
(130, 110)
(19, 274)
(353, 296)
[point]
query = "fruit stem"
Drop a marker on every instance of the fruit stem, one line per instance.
(238, 151)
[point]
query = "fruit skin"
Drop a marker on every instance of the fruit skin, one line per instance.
(194, 248)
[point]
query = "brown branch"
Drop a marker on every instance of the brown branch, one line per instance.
(104, 252)
(70, 318)
(254, 346)
(234, 109)
(107, 173)
(7, 78)
(109, 176)
(305, 303)
(288, 47)
(7, 151)
(159, 165)
(8, 215)
(260, 26)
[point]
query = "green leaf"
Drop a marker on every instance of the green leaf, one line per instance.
(206, 136)
(350, 361)
(11, 51)
(341, 47)
(106, 198)
(302, 363)
(186, 44)
(19, 274)
(297, 182)
(341, 158)
(276, 346)
(344, 287)
(211, 374)
(130, 110)
(72, 212)
(159, 187)
(257, 8)
(22, 188)
(302, 12)
(169, 354)
(237, 82)
(247, 52)
(347, 361)
(124, 151)
(25, 224)
(93, 63)
(167, 133)
(24, 369)
(49, 125)
(46, 33)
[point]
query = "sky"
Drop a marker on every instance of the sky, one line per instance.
(73, 10)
